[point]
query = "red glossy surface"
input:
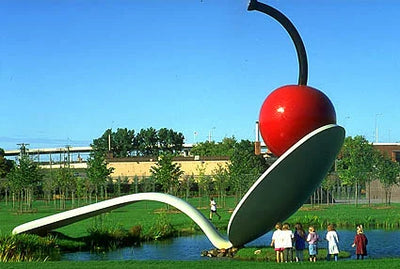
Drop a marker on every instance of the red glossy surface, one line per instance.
(291, 112)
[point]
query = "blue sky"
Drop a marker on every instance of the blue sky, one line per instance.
(71, 69)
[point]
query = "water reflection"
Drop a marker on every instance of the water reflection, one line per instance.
(180, 248)
(382, 244)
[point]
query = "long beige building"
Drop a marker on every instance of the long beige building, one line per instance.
(140, 166)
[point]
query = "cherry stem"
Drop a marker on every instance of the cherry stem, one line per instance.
(294, 34)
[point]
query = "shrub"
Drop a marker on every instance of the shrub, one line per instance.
(162, 228)
(27, 247)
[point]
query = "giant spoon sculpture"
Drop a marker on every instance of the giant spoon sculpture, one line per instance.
(297, 123)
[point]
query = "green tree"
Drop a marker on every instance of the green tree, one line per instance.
(204, 182)
(147, 140)
(167, 173)
(5, 164)
(65, 184)
(187, 183)
(170, 142)
(245, 167)
(356, 163)
(204, 149)
(49, 185)
(122, 143)
(97, 172)
(80, 188)
(388, 173)
(23, 179)
(224, 148)
(101, 144)
(5, 168)
(221, 182)
(329, 182)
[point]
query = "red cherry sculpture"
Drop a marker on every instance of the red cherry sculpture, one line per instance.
(291, 112)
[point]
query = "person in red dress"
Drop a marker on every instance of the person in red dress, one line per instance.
(360, 242)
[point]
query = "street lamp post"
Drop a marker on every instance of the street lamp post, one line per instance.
(376, 127)
(210, 134)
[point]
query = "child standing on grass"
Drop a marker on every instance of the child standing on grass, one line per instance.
(312, 239)
(360, 242)
(333, 242)
(277, 242)
(299, 241)
(287, 243)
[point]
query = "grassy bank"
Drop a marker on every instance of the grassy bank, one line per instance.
(220, 264)
(375, 216)
(267, 254)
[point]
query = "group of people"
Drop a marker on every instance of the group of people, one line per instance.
(285, 243)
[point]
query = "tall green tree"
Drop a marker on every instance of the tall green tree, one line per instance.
(65, 184)
(5, 168)
(5, 164)
(328, 184)
(245, 167)
(356, 163)
(23, 179)
(101, 144)
(167, 173)
(221, 181)
(98, 172)
(388, 173)
(170, 142)
(204, 182)
(122, 143)
(147, 140)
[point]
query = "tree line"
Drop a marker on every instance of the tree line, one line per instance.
(147, 142)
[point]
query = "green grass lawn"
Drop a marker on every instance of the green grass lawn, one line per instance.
(146, 213)
(347, 215)
(212, 263)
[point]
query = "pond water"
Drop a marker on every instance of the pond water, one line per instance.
(381, 244)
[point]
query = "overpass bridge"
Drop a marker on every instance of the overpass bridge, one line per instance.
(52, 156)
(39, 153)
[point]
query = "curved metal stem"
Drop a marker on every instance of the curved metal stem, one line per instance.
(294, 34)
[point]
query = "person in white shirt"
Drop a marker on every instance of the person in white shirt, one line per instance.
(277, 242)
(333, 242)
(213, 208)
(287, 243)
